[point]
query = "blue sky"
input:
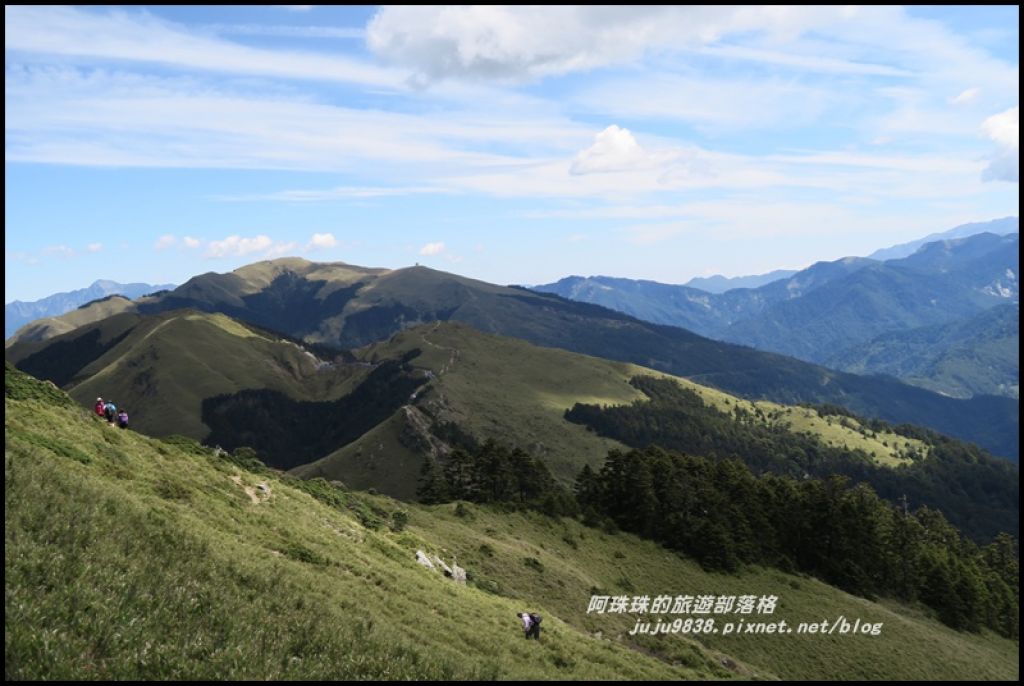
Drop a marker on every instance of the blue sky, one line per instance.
(515, 145)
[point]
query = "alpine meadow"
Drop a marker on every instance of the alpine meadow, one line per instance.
(477, 343)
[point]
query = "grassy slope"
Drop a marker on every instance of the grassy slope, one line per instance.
(886, 447)
(493, 387)
(125, 557)
(129, 558)
(508, 389)
(576, 558)
(44, 329)
(169, 363)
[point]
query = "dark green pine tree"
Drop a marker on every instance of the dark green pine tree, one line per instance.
(461, 474)
(433, 486)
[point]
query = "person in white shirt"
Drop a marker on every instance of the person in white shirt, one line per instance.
(527, 622)
(531, 624)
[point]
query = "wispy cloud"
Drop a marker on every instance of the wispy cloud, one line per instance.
(337, 193)
(165, 241)
(59, 251)
(432, 248)
(289, 31)
(651, 234)
(281, 248)
(802, 62)
(142, 37)
(966, 97)
(711, 102)
(101, 118)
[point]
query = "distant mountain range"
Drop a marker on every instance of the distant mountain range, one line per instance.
(345, 306)
(18, 313)
(1000, 227)
(721, 284)
(834, 306)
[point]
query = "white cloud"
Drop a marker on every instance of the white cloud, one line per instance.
(1004, 129)
(191, 242)
(967, 97)
(165, 241)
(432, 248)
(518, 42)
(237, 246)
(296, 8)
(94, 247)
(20, 256)
(322, 240)
(614, 149)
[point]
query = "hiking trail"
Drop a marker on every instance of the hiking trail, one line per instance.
(257, 494)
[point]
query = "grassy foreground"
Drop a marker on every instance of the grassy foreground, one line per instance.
(130, 557)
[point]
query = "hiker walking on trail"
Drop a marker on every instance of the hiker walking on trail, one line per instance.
(531, 624)
(122, 418)
(110, 412)
(100, 407)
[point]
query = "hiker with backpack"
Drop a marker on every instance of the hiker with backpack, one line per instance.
(100, 407)
(122, 418)
(531, 624)
(110, 412)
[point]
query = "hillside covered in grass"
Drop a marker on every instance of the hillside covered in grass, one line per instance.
(345, 306)
(372, 417)
(133, 557)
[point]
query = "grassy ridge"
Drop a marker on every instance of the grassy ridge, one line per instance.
(129, 557)
(166, 365)
(517, 393)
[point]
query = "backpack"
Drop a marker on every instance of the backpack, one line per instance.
(535, 619)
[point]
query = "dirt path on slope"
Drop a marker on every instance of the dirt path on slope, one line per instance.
(256, 495)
